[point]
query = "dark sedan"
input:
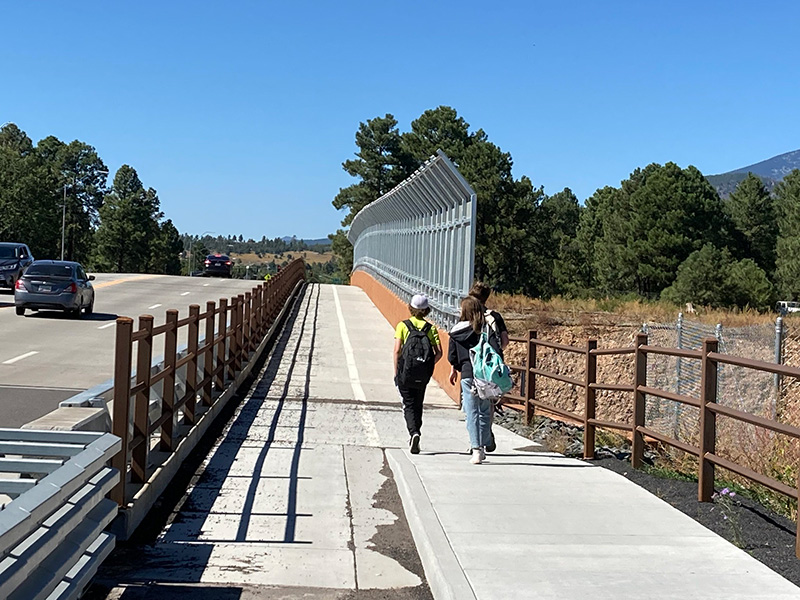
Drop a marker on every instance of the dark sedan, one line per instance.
(55, 285)
(14, 258)
(217, 265)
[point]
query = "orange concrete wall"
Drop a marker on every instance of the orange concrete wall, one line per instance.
(395, 310)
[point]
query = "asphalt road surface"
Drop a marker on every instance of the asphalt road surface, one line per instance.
(46, 357)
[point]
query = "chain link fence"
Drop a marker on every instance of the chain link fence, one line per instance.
(747, 390)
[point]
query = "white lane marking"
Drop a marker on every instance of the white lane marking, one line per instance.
(152, 307)
(185, 293)
(11, 361)
(206, 284)
(107, 325)
(370, 430)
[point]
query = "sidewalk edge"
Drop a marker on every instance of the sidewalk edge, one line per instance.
(445, 576)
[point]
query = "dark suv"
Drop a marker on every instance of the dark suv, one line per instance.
(14, 259)
(217, 265)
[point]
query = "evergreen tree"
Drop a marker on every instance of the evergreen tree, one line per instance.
(787, 272)
(752, 210)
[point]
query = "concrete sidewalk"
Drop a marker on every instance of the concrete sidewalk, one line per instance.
(311, 493)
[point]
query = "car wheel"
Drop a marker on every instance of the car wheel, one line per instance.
(74, 313)
(20, 311)
(90, 308)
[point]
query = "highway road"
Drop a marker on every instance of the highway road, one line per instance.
(46, 357)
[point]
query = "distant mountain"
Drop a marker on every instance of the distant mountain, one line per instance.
(315, 242)
(770, 171)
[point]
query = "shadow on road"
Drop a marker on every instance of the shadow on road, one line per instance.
(57, 314)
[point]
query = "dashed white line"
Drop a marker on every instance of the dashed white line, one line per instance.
(185, 293)
(152, 307)
(206, 284)
(11, 361)
(107, 325)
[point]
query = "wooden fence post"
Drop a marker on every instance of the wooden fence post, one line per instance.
(208, 357)
(248, 324)
(639, 379)
(241, 348)
(708, 421)
(141, 408)
(168, 397)
(530, 379)
(192, 344)
(222, 329)
(122, 402)
(590, 397)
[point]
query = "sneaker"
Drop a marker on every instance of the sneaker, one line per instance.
(414, 443)
(476, 456)
(492, 445)
(483, 455)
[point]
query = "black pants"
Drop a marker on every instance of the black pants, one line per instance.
(412, 408)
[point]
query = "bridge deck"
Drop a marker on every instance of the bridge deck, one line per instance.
(310, 492)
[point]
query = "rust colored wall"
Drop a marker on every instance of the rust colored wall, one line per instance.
(395, 310)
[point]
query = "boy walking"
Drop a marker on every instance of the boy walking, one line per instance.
(416, 350)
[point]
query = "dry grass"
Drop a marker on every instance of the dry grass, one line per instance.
(617, 311)
(309, 256)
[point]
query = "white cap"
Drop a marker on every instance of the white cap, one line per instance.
(419, 301)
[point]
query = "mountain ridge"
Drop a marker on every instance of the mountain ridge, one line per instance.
(770, 171)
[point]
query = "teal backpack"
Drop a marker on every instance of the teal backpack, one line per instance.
(492, 376)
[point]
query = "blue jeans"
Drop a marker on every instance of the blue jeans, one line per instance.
(479, 416)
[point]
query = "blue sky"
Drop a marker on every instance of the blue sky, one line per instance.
(241, 113)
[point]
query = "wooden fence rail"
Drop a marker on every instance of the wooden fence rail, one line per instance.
(707, 404)
(207, 365)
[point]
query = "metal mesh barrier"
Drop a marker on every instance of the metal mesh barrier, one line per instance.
(747, 390)
(420, 238)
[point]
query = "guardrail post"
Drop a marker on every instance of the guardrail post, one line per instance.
(530, 378)
(189, 409)
(708, 421)
(222, 331)
(257, 314)
(589, 409)
(639, 380)
(168, 400)
(141, 408)
(208, 355)
(231, 360)
(123, 351)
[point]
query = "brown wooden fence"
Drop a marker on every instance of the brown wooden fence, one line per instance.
(709, 409)
(232, 330)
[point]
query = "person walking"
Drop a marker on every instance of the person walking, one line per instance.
(498, 339)
(416, 350)
(478, 412)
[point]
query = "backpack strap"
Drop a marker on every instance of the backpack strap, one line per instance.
(410, 325)
(426, 328)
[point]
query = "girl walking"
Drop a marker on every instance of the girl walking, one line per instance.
(465, 335)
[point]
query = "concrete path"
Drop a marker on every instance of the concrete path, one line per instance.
(301, 498)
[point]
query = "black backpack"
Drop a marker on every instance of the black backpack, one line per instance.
(415, 367)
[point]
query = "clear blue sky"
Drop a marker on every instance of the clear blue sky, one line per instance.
(241, 113)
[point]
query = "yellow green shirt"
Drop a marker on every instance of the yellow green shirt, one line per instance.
(401, 331)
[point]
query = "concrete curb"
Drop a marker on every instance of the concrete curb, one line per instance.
(445, 576)
(131, 516)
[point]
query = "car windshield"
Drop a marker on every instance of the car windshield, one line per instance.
(8, 252)
(61, 271)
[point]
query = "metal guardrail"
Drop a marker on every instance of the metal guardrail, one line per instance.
(53, 510)
(420, 238)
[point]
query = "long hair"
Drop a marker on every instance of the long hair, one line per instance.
(472, 311)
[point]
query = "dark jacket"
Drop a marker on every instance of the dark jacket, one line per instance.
(462, 338)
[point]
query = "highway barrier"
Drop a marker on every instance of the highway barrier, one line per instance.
(53, 510)
(160, 411)
(708, 408)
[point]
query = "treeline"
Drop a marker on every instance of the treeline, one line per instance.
(115, 229)
(664, 232)
(225, 244)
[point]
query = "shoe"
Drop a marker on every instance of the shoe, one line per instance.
(492, 445)
(414, 443)
(476, 456)
(483, 454)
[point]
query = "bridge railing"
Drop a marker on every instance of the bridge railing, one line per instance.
(706, 448)
(420, 238)
(53, 510)
(156, 408)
